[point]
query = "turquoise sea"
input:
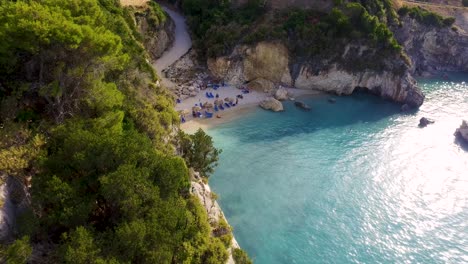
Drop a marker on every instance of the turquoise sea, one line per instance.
(352, 182)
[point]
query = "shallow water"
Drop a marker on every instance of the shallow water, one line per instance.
(351, 182)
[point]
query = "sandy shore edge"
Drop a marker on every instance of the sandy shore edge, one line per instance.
(242, 110)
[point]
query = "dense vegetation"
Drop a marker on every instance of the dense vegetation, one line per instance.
(426, 17)
(217, 28)
(82, 115)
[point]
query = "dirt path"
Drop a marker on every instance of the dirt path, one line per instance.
(182, 43)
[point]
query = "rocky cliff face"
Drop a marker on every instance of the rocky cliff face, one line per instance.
(266, 65)
(433, 49)
(156, 38)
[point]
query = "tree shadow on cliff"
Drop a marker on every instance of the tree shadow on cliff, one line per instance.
(343, 116)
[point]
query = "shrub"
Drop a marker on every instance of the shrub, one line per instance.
(426, 17)
(240, 257)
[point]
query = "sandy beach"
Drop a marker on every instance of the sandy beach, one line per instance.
(244, 106)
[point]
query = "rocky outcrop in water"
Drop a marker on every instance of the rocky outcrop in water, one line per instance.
(462, 131)
(433, 49)
(272, 104)
(281, 94)
(423, 122)
(266, 65)
(302, 106)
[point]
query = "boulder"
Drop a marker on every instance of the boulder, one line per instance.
(281, 94)
(462, 131)
(331, 100)
(272, 104)
(302, 105)
(423, 122)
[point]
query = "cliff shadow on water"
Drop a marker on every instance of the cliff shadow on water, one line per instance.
(360, 107)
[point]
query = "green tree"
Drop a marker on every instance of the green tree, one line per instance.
(19, 252)
(199, 152)
(80, 247)
(240, 257)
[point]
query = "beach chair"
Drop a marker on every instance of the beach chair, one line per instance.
(178, 101)
(221, 107)
(207, 95)
(227, 105)
(216, 108)
(182, 120)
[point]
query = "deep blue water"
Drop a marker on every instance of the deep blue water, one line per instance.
(352, 182)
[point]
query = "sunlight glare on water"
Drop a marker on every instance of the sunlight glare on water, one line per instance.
(351, 182)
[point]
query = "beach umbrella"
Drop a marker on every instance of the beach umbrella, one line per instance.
(218, 102)
(184, 112)
(229, 99)
(196, 108)
(208, 105)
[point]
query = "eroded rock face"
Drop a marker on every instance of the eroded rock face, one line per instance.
(267, 65)
(272, 104)
(157, 38)
(402, 89)
(433, 49)
(462, 131)
(264, 61)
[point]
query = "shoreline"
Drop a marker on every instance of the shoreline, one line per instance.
(234, 113)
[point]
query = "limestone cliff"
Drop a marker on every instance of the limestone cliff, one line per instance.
(157, 37)
(266, 65)
(433, 49)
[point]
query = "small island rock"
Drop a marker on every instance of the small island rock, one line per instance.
(272, 104)
(462, 131)
(331, 100)
(281, 94)
(302, 105)
(423, 122)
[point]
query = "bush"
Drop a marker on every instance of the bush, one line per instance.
(426, 17)
(19, 252)
(240, 257)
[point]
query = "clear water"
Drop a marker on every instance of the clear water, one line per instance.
(351, 182)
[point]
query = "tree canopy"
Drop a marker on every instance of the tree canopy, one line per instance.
(86, 120)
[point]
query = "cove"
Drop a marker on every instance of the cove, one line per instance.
(352, 182)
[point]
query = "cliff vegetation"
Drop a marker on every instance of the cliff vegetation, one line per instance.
(87, 129)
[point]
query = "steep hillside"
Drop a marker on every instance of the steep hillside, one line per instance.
(88, 146)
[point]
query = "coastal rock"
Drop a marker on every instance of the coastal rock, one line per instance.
(331, 100)
(433, 49)
(462, 131)
(272, 104)
(203, 192)
(423, 122)
(266, 65)
(281, 94)
(302, 106)
(261, 85)
(263, 61)
(398, 88)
